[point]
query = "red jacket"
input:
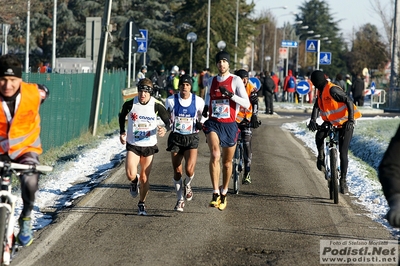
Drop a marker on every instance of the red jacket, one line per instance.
(285, 84)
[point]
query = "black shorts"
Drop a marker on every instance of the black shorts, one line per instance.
(180, 143)
(142, 151)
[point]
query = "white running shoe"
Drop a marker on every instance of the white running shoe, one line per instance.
(179, 205)
(142, 209)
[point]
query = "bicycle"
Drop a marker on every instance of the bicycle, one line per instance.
(332, 163)
(7, 205)
(237, 165)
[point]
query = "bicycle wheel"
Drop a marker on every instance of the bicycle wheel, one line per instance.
(333, 188)
(3, 229)
(236, 170)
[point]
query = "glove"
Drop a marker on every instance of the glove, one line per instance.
(350, 125)
(225, 92)
(199, 126)
(205, 111)
(393, 215)
(312, 125)
(254, 122)
(253, 98)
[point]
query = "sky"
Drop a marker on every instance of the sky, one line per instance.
(353, 13)
(78, 176)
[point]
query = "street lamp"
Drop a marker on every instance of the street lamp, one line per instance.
(267, 58)
(298, 44)
(221, 45)
(191, 37)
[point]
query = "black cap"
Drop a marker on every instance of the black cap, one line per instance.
(185, 79)
(222, 55)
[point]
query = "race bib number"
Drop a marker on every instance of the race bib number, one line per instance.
(184, 125)
(220, 108)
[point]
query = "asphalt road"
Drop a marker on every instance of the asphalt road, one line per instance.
(279, 219)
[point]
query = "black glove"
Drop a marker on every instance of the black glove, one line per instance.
(199, 126)
(205, 111)
(254, 122)
(393, 215)
(225, 92)
(312, 125)
(350, 125)
(253, 98)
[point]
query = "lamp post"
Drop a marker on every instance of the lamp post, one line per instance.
(267, 58)
(221, 45)
(236, 31)
(191, 37)
(208, 33)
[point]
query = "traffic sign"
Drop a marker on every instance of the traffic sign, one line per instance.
(256, 82)
(303, 87)
(325, 58)
(289, 44)
(283, 52)
(125, 31)
(142, 41)
(312, 46)
(141, 46)
(373, 87)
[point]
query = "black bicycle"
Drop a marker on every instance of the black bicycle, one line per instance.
(237, 165)
(332, 163)
(7, 205)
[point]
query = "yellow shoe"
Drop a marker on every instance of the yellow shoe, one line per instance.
(215, 200)
(223, 203)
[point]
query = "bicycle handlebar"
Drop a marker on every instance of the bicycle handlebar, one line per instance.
(18, 166)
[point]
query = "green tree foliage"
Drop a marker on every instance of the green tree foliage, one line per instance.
(367, 42)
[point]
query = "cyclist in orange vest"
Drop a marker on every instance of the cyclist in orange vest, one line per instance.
(20, 133)
(336, 108)
(247, 119)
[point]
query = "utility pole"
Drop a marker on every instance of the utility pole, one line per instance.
(28, 22)
(96, 96)
(53, 58)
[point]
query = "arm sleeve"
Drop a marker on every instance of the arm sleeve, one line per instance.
(126, 107)
(389, 168)
(163, 114)
(240, 96)
(315, 111)
(340, 96)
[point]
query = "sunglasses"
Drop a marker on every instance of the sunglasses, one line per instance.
(145, 88)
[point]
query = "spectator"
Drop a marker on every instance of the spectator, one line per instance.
(289, 86)
(142, 74)
(277, 82)
(340, 82)
(268, 88)
(195, 86)
(348, 85)
(357, 89)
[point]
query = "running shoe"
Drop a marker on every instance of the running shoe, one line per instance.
(25, 235)
(179, 205)
(215, 200)
(141, 209)
(246, 179)
(223, 203)
(134, 187)
(188, 192)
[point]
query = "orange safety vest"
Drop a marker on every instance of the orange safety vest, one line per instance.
(332, 111)
(244, 112)
(22, 133)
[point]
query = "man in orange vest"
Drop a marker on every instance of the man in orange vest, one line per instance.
(336, 108)
(20, 133)
(247, 119)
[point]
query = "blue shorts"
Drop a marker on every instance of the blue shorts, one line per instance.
(227, 132)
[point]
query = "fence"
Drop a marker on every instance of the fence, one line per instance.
(65, 115)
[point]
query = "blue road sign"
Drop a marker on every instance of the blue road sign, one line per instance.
(303, 87)
(256, 82)
(312, 46)
(289, 44)
(141, 46)
(142, 41)
(325, 58)
(373, 87)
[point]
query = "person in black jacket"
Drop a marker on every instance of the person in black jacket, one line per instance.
(389, 176)
(268, 88)
(357, 89)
